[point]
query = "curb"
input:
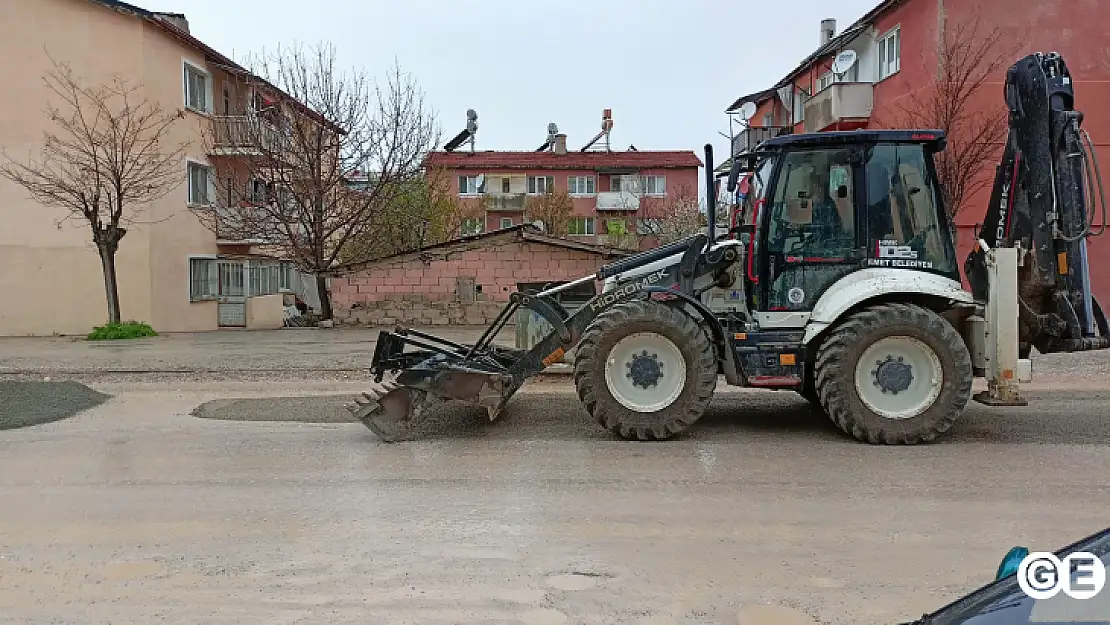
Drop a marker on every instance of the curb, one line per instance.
(556, 369)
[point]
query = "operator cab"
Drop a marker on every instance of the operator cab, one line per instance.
(820, 206)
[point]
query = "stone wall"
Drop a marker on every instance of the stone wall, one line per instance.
(463, 284)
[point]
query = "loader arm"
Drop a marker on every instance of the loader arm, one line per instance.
(1043, 203)
(483, 374)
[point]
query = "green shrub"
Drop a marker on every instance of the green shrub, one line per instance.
(125, 330)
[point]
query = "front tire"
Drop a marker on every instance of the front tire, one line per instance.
(894, 374)
(645, 370)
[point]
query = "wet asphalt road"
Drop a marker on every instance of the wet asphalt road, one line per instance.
(138, 512)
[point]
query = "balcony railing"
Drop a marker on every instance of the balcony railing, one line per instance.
(618, 201)
(753, 136)
(510, 202)
(843, 105)
(244, 134)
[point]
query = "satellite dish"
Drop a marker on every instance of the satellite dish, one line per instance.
(786, 94)
(747, 111)
(844, 61)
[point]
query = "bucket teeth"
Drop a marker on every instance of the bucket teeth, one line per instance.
(385, 415)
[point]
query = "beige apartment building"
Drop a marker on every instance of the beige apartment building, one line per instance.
(174, 273)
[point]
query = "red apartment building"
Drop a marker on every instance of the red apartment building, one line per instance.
(613, 193)
(896, 46)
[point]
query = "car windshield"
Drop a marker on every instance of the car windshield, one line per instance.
(1002, 593)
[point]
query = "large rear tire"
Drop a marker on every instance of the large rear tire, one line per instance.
(894, 374)
(645, 370)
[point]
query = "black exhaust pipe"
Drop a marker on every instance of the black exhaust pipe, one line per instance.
(710, 194)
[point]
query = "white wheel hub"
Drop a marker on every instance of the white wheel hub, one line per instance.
(645, 372)
(899, 377)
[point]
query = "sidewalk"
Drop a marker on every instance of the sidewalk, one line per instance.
(292, 349)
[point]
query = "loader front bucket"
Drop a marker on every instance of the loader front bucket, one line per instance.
(396, 408)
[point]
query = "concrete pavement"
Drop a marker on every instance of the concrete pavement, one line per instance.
(137, 512)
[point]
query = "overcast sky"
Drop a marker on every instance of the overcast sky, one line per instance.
(667, 68)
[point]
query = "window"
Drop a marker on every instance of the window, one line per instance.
(538, 185)
(197, 86)
(889, 53)
(203, 282)
(285, 278)
(825, 81)
(581, 185)
(768, 120)
(259, 191)
(654, 185)
(506, 222)
(265, 278)
(615, 183)
(468, 185)
(506, 185)
(906, 225)
(649, 226)
(800, 97)
(200, 185)
(580, 226)
(470, 226)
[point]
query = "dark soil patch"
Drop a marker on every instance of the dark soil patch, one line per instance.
(328, 409)
(24, 404)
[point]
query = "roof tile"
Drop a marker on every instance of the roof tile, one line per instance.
(570, 160)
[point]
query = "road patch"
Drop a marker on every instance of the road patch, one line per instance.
(28, 403)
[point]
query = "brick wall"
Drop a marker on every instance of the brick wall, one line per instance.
(431, 288)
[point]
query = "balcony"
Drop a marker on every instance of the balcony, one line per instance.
(505, 202)
(618, 201)
(840, 106)
(244, 135)
(753, 136)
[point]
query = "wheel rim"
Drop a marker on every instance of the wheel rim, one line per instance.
(899, 377)
(645, 372)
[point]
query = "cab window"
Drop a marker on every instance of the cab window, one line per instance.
(905, 228)
(813, 213)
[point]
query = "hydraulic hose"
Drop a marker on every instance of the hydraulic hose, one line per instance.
(1086, 156)
(1091, 157)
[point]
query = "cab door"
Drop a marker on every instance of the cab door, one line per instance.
(811, 235)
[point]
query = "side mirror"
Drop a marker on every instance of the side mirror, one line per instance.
(1011, 562)
(842, 191)
(733, 175)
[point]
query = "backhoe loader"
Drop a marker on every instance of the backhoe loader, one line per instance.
(837, 279)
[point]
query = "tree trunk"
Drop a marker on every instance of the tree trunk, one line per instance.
(325, 297)
(111, 289)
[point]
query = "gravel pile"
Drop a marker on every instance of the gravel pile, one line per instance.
(23, 404)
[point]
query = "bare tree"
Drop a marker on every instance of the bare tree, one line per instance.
(109, 155)
(673, 217)
(970, 59)
(425, 212)
(306, 126)
(553, 208)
